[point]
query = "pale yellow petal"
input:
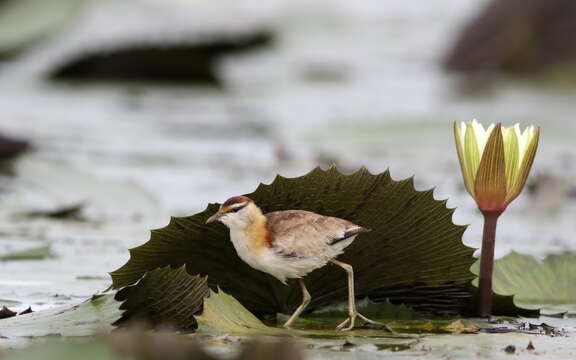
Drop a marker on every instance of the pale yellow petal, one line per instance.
(471, 156)
(459, 133)
(523, 140)
(526, 164)
(510, 155)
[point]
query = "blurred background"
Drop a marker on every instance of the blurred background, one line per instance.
(116, 115)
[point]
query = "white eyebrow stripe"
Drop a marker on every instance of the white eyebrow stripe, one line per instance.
(238, 205)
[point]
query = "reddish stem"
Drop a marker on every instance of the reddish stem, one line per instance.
(487, 262)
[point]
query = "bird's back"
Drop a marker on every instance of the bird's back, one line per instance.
(299, 233)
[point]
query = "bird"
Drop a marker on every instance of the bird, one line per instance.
(289, 244)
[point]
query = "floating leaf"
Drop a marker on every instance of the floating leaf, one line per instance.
(413, 243)
(549, 285)
(90, 317)
(36, 253)
(165, 296)
(224, 314)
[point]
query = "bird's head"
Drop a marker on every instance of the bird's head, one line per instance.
(237, 211)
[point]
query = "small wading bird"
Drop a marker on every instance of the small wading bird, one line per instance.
(289, 245)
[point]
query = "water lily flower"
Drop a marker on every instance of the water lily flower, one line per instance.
(495, 161)
(495, 164)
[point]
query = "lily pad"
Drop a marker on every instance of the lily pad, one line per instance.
(548, 285)
(90, 317)
(224, 314)
(413, 243)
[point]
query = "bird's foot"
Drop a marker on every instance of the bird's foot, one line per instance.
(348, 324)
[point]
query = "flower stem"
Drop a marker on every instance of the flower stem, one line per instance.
(487, 262)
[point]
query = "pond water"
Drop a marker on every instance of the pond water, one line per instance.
(356, 83)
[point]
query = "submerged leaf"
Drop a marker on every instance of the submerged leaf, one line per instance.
(413, 243)
(382, 310)
(36, 253)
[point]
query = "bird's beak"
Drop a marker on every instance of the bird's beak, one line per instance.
(214, 217)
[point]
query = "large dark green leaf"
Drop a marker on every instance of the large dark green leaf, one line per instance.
(413, 244)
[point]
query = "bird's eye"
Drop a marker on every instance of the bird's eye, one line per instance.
(236, 209)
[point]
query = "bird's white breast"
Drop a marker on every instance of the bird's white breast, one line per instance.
(243, 247)
(281, 267)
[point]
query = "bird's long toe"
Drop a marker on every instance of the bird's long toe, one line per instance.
(377, 323)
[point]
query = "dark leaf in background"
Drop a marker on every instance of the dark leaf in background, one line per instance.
(517, 36)
(413, 243)
(12, 147)
(161, 62)
(6, 313)
(67, 212)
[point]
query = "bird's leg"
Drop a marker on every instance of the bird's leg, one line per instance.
(305, 301)
(348, 324)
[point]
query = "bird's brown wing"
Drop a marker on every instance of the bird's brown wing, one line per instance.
(300, 233)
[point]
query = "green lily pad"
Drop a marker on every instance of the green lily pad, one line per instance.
(548, 285)
(413, 246)
(223, 314)
(90, 317)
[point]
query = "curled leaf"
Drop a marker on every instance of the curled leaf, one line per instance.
(224, 314)
(166, 297)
